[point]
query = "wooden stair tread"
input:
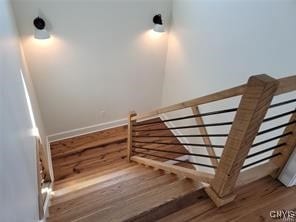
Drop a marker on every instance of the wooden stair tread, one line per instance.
(114, 177)
(123, 178)
(106, 197)
(253, 203)
(93, 178)
(92, 173)
(98, 192)
(145, 202)
(82, 166)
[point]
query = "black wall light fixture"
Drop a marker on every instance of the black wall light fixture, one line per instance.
(40, 31)
(158, 24)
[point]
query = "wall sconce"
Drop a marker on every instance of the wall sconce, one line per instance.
(158, 25)
(40, 31)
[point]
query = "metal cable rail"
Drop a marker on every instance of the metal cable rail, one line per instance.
(265, 150)
(259, 161)
(212, 113)
(271, 139)
(189, 117)
(282, 103)
(200, 135)
(182, 161)
(177, 152)
(181, 144)
(278, 116)
(275, 128)
(186, 127)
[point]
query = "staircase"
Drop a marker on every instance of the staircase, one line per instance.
(152, 170)
(95, 182)
(133, 193)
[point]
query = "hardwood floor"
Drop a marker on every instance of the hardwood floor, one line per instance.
(138, 193)
(133, 193)
(95, 183)
(87, 154)
(253, 203)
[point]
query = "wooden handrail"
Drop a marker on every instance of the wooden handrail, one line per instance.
(225, 94)
(43, 159)
(39, 180)
(286, 84)
(43, 175)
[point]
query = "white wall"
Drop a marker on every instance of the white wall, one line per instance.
(217, 44)
(18, 180)
(288, 175)
(102, 57)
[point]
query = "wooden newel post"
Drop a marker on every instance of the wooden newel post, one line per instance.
(251, 111)
(130, 135)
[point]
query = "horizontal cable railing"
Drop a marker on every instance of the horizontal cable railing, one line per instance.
(176, 152)
(261, 160)
(190, 116)
(271, 139)
(266, 150)
(274, 139)
(182, 144)
(279, 116)
(181, 161)
(186, 127)
(149, 136)
(194, 135)
(162, 136)
(275, 128)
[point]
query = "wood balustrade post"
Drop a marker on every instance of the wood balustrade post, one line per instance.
(206, 140)
(253, 106)
(290, 141)
(44, 160)
(40, 198)
(130, 135)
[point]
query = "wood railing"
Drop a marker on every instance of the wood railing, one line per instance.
(43, 176)
(242, 158)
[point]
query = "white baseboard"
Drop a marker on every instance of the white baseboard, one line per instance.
(85, 130)
(288, 175)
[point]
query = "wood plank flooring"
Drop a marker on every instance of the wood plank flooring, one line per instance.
(132, 193)
(94, 182)
(85, 155)
(138, 193)
(253, 203)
